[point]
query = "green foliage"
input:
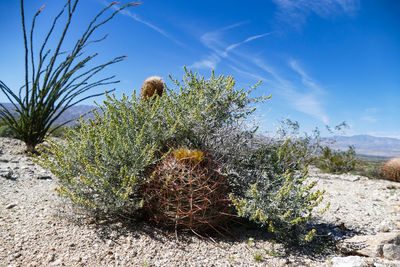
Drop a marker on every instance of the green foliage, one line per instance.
(258, 256)
(53, 79)
(105, 165)
(295, 151)
(337, 161)
(282, 204)
(59, 132)
(6, 130)
(369, 167)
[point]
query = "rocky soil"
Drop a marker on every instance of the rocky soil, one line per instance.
(37, 228)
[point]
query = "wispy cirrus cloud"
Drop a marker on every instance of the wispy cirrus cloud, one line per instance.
(137, 18)
(369, 118)
(249, 39)
(218, 50)
(295, 12)
(370, 115)
(302, 95)
(306, 98)
(209, 62)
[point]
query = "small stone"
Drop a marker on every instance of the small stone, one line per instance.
(391, 251)
(17, 255)
(385, 226)
(50, 258)
(353, 178)
(57, 263)
(11, 206)
(351, 261)
(6, 173)
(43, 176)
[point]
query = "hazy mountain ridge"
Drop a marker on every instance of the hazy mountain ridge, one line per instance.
(368, 145)
(71, 114)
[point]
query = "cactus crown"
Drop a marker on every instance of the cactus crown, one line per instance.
(194, 155)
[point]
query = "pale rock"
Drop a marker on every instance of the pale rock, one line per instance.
(350, 261)
(385, 226)
(57, 263)
(370, 245)
(6, 173)
(391, 251)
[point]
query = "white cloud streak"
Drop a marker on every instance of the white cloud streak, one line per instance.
(218, 50)
(295, 12)
(303, 96)
(369, 118)
(135, 17)
(249, 39)
(308, 101)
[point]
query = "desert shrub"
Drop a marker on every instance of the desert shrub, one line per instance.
(103, 165)
(370, 168)
(295, 150)
(188, 192)
(391, 170)
(59, 132)
(337, 161)
(106, 165)
(6, 131)
(281, 201)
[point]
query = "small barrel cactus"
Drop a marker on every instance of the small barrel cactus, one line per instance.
(188, 193)
(391, 170)
(152, 85)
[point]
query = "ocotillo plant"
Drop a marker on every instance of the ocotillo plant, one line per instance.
(54, 82)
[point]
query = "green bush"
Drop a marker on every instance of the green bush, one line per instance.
(104, 165)
(337, 161)
(295, 150)
(369, 167)
(6, 131)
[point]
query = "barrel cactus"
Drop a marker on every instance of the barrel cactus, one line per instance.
(391, 170)
(188, 193)
(152, 85)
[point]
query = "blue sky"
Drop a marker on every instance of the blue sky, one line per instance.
(323, 61)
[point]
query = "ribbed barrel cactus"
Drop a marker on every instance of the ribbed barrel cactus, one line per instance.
(391, 170)
(152, 85)
(188, 193)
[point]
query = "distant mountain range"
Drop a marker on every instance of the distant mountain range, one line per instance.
(73, 113)
(368, 145)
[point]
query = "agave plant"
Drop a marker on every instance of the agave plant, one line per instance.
(54, 82)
